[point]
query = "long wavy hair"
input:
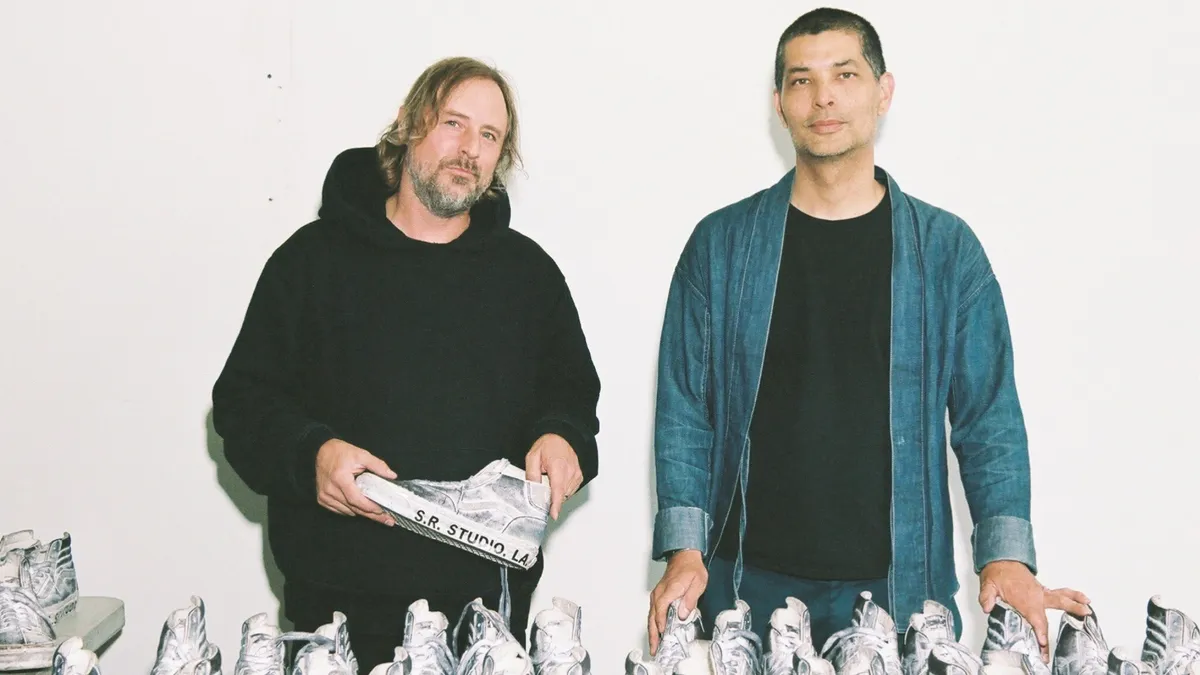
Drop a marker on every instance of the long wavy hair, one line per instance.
(424, 104)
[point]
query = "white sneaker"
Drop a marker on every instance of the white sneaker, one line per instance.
(811, 664)
(1080, 648)
(261, 653)
(487, 633)
(19, 540)
(1172, 644)
(22, 621)
(677, 637)
(637, 664)
(789, 635)
(183, 644)
(1121, 662)
(426, 641)
(698, 661)
(736, 649)
(70, 658)
(330, 653)
(869, 645)
(52, 576)
(949, 657)
(401, 664)
(496, 513)
(558, 641)
(1008, 633)
(933, 624)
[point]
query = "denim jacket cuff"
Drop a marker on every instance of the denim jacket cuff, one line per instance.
(680, 527)
(1003, 538)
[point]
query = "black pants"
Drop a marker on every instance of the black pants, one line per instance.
(377, 643)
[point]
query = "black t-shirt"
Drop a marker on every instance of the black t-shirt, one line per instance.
(819, 489)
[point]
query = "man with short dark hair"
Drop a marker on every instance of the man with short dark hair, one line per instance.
(815, 336)
(408, 332)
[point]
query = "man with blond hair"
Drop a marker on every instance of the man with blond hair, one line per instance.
(409, 332)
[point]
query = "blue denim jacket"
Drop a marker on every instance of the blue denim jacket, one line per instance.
(950, 351)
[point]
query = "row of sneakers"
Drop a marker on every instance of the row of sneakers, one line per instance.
(38, 587)
(871, 645)
(427, 647)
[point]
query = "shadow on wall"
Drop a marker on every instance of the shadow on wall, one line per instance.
(253, 508)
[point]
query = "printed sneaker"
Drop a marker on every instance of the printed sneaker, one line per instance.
(184, 642)
(70, 658)
(699, 659)
(329, 652)
(426, 641)
(507, 658)
(736, 649)
(925, 629)
(637, 664)
(558, 641)
(811, 664)
(1121, 662)
(869, 645)
(677, 638)
(496, 513)
(401, 664)
(1080, 648)
(950, 657)
(22, 621)
(488, 632)
(1010, 642)
(20, 540)
(789, 635)
(262, 652)
(49, 573)
(1172, 644)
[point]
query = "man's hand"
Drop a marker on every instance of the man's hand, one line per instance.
(553, 455)
(685, 577)
(338, 463)
(1012, 582)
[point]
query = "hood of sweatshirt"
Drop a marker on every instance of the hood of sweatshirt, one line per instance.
(355, 196)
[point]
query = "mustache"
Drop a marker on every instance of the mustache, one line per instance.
(465, 165)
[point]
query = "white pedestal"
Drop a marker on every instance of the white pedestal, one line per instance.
(96, 620)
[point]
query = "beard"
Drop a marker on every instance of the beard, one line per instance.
(450, 200)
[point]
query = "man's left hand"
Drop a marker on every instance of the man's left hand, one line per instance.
(1012, 582)
(553, 456)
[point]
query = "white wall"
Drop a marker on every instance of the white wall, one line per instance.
(150, 166)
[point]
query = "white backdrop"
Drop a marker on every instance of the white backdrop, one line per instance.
(154, 154)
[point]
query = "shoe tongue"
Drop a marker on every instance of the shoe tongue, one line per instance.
(868, 614)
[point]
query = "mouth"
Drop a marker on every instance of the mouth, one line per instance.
(461, 171)
(826, 126)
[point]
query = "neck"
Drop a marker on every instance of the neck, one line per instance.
(410, 216)
(837, 188)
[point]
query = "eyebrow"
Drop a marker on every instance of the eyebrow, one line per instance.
(805, 69)
(455, 113)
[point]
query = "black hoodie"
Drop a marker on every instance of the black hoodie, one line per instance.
(437, 358)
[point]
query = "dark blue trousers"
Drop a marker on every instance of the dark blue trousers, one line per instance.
(831, 603)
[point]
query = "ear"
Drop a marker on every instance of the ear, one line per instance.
(887, 86)
(779, 109)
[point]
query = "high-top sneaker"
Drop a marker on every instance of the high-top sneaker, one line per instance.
(637, 664)
(678, 635)
(184, 641)
(1010, 640)
(788, 635)
(811, 664)
(486, 631)
(19, 540)
(507, 658)
(496, 513)
(426, 641)
(330, 651)
(736, 649)
(70, 658)
(1080, 648)
(401, 664)
(22, 621)
(949, 657)
(558, 641)
(1122, 662)
(925, 629)
(869, 645)
(49, 573)
(1172, 644)
(262, 653)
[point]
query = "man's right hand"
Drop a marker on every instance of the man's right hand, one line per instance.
(685, 577)
(338, 463)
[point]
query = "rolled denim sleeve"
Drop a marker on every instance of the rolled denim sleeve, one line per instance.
(683, 432)
(987, 425)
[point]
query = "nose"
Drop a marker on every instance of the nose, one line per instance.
(823, 95)
(469, 145)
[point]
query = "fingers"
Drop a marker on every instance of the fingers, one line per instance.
(1068, 600)
(652, 631)
(376, 466)
(362, 506)
(533, 465)
(988, 594)
(334, 505)
(557, 472)
(1037, 618)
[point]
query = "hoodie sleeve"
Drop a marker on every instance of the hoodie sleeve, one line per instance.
(258, 407)
(568, 387)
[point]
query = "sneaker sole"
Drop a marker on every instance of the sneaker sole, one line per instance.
(435, 522)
